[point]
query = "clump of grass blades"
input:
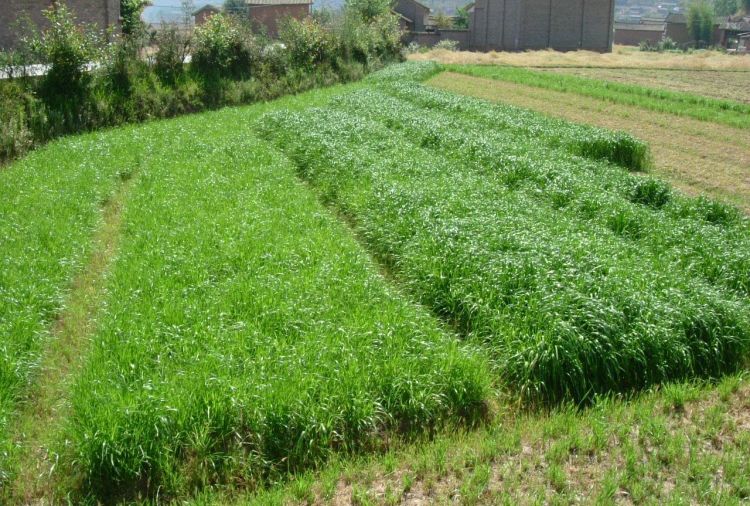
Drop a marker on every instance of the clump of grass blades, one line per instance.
(569, 303)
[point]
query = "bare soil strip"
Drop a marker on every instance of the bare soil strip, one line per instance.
(697, 157)
(47, 402)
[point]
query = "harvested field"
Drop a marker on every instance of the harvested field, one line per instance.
(699, 157)
(621, 57)
(731, 85)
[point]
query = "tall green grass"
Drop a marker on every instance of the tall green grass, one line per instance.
(50, 205)
(620, 148)
(446, 124)
(726, 112)
(580, 278)
(245, 333)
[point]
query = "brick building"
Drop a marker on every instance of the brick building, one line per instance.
(102, 13)
(632, 34)
(564, 25)
(267, 15)
(415, 13)
(205, 12)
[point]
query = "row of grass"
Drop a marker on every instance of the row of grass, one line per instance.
(618, 147)
(50, 204)
(568, 300)
(643, 209)
(246, 334)
(726, 112)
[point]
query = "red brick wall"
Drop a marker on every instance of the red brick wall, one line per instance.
(102, 13)
(268, 17)
(635, 37)
(203, 16)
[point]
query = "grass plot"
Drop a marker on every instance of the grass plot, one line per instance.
(246, 334)
(580, 278)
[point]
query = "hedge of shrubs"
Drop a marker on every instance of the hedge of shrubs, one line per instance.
(95, 80)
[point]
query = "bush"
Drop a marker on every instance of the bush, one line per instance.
(67, 48)
(665, 44)
(308, 43)
(370, 42)
(173, 48)
(121, 66)
(447, 45)
(15, 137)
(413, 48)
(224, 49)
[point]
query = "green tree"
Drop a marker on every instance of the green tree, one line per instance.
(745, 4)
(700, 21)
(461, 21)
(443, 21)
(368, 9)
(130, 12)
(235, 7)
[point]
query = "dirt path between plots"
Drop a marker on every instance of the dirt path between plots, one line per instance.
(46, 405)
(696, 156)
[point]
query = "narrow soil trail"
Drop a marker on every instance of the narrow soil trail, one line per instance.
(46, 405)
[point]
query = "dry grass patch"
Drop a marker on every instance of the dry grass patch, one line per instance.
(696, 156)
(621, 57)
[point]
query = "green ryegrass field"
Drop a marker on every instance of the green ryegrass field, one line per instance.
(344, 272)
(724, 111)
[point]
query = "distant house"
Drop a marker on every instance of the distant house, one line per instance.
(563, 25)
(632, 34)
(733, 30)
(743, 43)
(518, 25)
(415, 12)
(204, 13)
(267, 15)
(101, 13)
(676, 28)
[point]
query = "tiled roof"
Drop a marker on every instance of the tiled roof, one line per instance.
(278, 2)
(639, 27)
(207, 7)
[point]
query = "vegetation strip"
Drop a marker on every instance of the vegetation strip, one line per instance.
(581, 279)
(727, 112)
(50, 203)
(48, 401)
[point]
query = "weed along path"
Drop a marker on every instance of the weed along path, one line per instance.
(48, 401)
(696, 156)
